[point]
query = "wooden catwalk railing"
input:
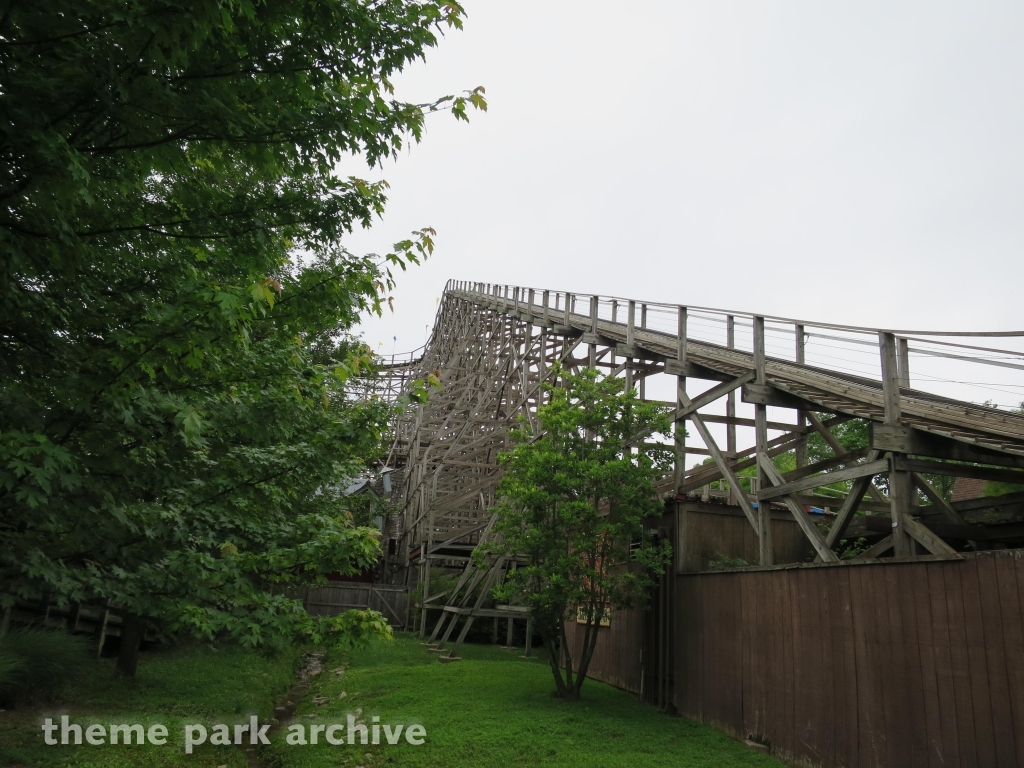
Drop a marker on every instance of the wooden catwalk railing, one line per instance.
(492, 348)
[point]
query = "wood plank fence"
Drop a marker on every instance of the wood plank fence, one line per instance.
(339, 597)
(873, 665)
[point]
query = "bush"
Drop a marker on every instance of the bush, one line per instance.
(10, 667)
(35, 663)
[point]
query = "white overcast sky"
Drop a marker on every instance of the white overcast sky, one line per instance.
(857, 162)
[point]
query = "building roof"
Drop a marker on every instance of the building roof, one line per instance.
(968, 488)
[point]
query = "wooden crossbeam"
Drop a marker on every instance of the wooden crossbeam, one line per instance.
(712, 394)
(702, 475)
(453, 539)
(825, 433)
(850, 505)
(739, 421)
(849, 473)
(989, 502)
(875, 549)
(958, 470)
(722, 462)
(928, 539)
(810, 530)
(904, 439)
(825, 464)
(936, 498)
(837, 448)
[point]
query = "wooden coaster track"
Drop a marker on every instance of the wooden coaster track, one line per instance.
(493, 347)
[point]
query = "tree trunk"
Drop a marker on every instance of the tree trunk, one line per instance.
(552, 652)
(571, 694)
(132, 629)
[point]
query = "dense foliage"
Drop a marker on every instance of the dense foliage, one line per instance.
(175, 299)
(576, 490)
(36, 663)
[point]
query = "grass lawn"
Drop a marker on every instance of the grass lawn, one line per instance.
(495, 709)
(190, 684)
(491, 709)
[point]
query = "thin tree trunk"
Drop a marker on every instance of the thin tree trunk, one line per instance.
(590, 637)
(556, 671)
(132, 629)
(586, 654)
(569, 686)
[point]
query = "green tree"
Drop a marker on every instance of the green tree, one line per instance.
(575, 494)
(176, 301)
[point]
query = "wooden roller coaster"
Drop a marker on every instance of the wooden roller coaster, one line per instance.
(493, 347)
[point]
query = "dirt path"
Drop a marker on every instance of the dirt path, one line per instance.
(284, 709)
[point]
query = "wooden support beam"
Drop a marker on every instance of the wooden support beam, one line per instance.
(739, 421)
(902, 439)
(995, 474)
(699, 476)
(730, 402)
(836, 502)
(592, 350)
(929, 536)
(850, 506)
(900, 486)
(679, 427)
(929, 539)
(691, 369)
(706, 398)
(765, 394)
(903, 361)
(876, 549)
(484, 593)
(824, 465)
(454, 539)
(825, 433)
(456, 463)
(989, 502)
(816, 481)
(723, 465)
(801, 351)
(936, 498)
(995, 532)
(838, 449)
(766, 547)
(810, 530)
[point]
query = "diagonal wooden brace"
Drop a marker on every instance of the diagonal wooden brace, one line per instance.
(809, 529)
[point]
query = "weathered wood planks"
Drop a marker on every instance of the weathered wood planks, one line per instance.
(878, 664)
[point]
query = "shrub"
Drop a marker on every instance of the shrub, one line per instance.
(35, 663)
(10, 668)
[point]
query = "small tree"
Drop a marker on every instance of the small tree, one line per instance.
(575, 494)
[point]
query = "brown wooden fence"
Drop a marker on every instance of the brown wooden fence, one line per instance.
(341, 596)
(619, 652)
(894, 665)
